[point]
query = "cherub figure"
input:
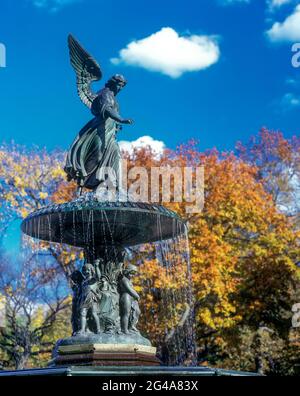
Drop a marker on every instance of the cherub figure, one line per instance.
(90, 297)
(109, 305)
(129, 307)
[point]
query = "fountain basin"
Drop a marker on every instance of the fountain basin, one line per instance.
(103, 223)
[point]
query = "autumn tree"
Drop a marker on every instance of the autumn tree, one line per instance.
(29, 178)
(243, 252)
(34, 300)
(278, 161)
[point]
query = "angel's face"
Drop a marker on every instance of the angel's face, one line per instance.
(119, 86)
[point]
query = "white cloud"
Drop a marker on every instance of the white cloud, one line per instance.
(169, 53)
(53, 5)
(157, 146)
(274, 6)
(288, 30)
(293, 81)
(233, 2)
(278, 3)
(290, 101)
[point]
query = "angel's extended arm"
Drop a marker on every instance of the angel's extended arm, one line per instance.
(110, 112)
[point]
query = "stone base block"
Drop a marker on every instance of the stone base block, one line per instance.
(105, 355)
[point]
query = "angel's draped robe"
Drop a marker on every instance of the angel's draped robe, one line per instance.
(95, 150)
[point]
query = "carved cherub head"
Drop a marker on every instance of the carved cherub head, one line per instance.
(130, 271)
(88, 271)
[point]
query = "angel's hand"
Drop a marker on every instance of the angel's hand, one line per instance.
(128, 121)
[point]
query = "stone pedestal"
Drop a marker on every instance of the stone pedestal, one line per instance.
(121, 372)
(105, 355)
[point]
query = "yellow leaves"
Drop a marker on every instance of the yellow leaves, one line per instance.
(58, 172)
(205, 317)
(66, 257)
(81, 255)
(139, 288)
(38, 317)
(28, 177)
(43, 195)
(18, 181)
(68, 300)
(18, 168)
(24, 212)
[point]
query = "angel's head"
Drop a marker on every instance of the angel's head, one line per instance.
(116, 83)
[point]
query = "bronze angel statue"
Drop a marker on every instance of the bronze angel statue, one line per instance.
(95, 154)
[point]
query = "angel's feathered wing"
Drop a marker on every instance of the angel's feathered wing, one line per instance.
(86, 68)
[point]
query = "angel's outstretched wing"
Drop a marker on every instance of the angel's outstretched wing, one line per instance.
(86, 68)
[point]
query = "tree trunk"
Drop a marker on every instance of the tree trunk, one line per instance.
(21, 360)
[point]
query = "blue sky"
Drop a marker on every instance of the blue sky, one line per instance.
(239, 52)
